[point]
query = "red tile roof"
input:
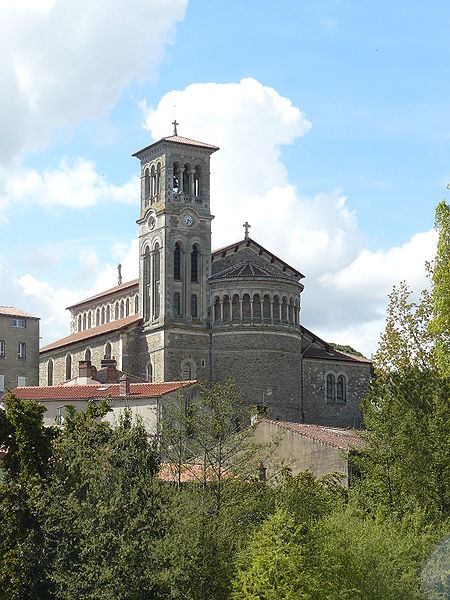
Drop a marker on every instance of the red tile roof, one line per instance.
(93, 332)
(98, 391)
(249, 269)
(177, 139)
(110, 292)
(15, 312)
(221, 253)
(338, 437)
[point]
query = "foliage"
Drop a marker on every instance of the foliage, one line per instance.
(407, 417)
(346, 348)
(100, 508)
(406, 341)
(25, 466)
(440, 322)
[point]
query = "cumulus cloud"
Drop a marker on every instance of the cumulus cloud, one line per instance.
(75, 185)
(66, 61)
(346, 284)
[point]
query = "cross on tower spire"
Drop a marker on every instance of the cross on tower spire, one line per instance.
(175, 123)
(246, 226)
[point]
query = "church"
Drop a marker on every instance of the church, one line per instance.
(210, 315)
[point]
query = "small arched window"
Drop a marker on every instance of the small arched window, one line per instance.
(186, 172)
(122, 309)
(136, 305)
(197, 181)
(108, 314)
(89, 320)
(177, 262)
(127, 307)
(158, 178)
(116, 311)
(97, 317)
(176, 178)
(103, 315)
(79, 322)
(87, 354)
(108, 350)
(84, 322)
(186, 372)
(150, 372)
(50, 372)
(146, 184)
(341, 391)
(330, 388)
(68, 367)
(194, 264)
(153, 182)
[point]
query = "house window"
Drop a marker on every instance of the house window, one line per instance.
(108, 350)
(2, 348)
(21, 350)
(330, 388)
(150, 372)
(21, 381)
(341, 391)
(2, 383)
(176, 304)
(193, 305)
(18, 323)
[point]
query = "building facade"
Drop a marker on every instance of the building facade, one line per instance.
(199, 314)
(19, 348)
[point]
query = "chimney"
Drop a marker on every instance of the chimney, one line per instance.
(124, 385)
(84, 368)
(110, 365)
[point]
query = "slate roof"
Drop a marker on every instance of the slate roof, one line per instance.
(178, 139)
(15, 312)
(109, 292)
(337, 437)
(221, 253)
(98, 391)
(93, 332)
(248, 268)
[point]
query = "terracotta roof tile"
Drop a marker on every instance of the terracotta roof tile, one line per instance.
(98, 391)
(109, 292)
(216, 254)
(247, 268)
(338, 437)
(178, 139)
(15, 312)
(93, 332)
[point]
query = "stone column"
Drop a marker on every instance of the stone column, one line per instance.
(271, 311)
(221, 310)
(262, 309)
(240, 309)
(251, 310)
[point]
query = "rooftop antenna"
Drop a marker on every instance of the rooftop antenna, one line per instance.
(246, 226)
(119, 274)
(174, 122)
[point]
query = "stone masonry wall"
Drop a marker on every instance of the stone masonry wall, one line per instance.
(315, 407)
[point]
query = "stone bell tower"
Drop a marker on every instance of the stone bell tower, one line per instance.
(174, 252)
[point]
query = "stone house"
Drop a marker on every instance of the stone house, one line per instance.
(209, 315)
(19, 348)
(308, 447)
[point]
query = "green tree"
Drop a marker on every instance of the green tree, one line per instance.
(100, 509)
(25, 465)
(440, 322)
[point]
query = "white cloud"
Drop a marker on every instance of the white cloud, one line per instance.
(74, 185)
(66, 61)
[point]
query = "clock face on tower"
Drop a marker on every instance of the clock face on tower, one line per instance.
(188, 220)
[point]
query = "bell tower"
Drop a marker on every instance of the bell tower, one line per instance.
(174, 236)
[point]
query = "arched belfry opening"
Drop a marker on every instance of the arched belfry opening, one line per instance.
(146, 284)
(156, 271)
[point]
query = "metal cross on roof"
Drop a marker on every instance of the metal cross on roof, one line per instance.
(119, 274)
(246, 226)
(175, 123)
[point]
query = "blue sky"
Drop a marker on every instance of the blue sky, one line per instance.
(332, 117)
